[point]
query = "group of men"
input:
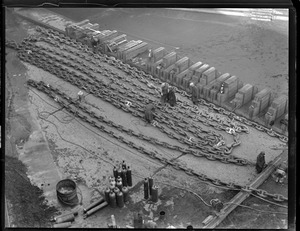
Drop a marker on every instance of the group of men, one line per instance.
(168, 94)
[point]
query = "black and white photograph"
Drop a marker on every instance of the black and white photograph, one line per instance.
(146, 118)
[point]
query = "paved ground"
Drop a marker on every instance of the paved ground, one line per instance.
(85, 154)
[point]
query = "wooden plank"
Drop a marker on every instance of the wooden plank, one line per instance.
(241, 196)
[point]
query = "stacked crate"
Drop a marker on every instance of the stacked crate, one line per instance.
(208, 76)
(155, 56)
(127, 46)
(134, 51)
(197, 77)
(178, 80)
(217, 86)
(231, 86)
(181, 65)
(244, 95)
(207, 88)
(168, 61)
(277, 109)
(113, 43)
(260, 102)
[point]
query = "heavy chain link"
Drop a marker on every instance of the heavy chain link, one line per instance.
(48, 89)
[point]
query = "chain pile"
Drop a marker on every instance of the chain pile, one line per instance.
(66, 102)
(38, 56)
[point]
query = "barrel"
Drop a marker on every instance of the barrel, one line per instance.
(129, 177)
(125, 194)
(120, 200)
(115, 172)
(124, 177)
(106, 193)
(112, 200)
(150, 179)
(154, 193)
(146, 189)
(66, 192)
(97, 202)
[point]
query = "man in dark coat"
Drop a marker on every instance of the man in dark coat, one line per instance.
(172, 97)
(260, 162)
(149, 110)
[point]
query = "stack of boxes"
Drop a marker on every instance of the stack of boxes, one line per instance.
(181, 65)
(134, 51)
(277, 109)
(115, 42)
(217, 87)
(208, 79)
(244, 95)
(127, 46)
(261, 101)
(197, 77)
(188, 73)
(231, 86)
(167, 63)
(153, 59)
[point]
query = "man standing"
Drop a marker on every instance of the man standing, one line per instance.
(149, 110)
(172, 97)
(164, 92)
(260, 162)
(194, 93)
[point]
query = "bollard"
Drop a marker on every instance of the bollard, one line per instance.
(146, 189)
(129, 176)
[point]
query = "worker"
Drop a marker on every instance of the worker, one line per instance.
(80, 96)
(280, 172)
(194, 93)
(149, 110)
(164, 93)
(260, 162)
(172, 97)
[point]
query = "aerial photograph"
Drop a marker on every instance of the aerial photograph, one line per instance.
(146, 118)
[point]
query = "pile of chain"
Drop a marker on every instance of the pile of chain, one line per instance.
(61, 40)
(92, 88)
(101, 91)
(90, 116)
